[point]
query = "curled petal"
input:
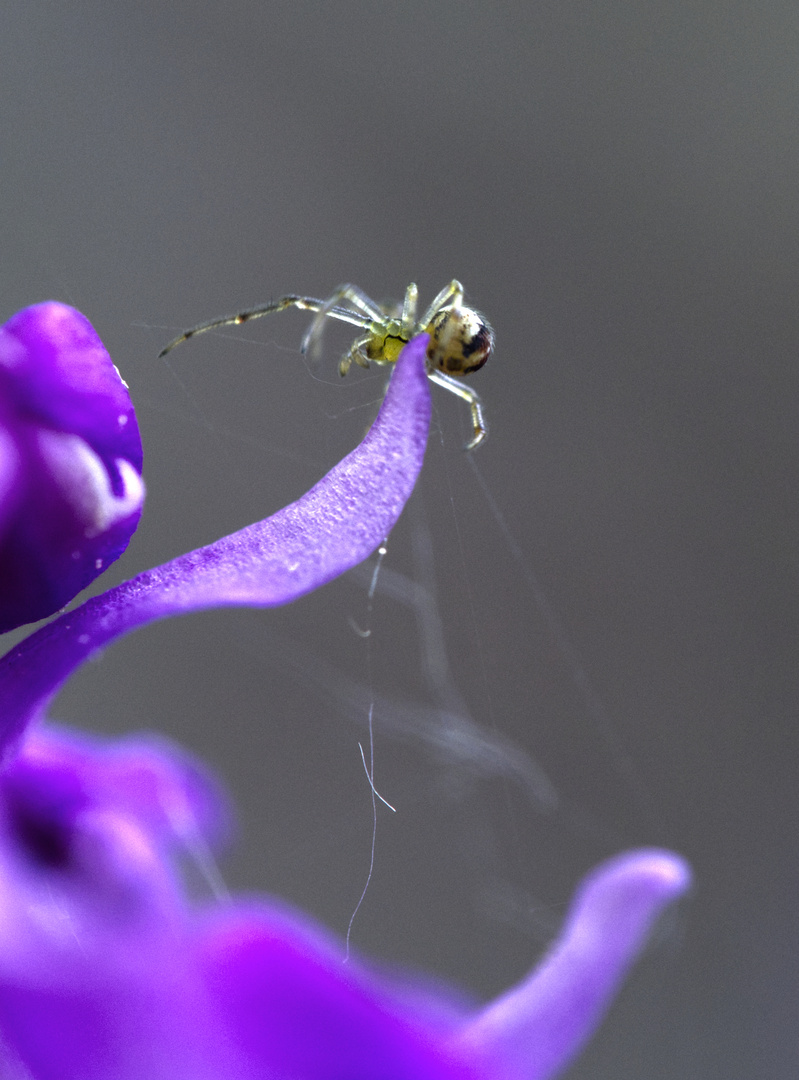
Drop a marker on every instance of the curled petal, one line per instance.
(109, 972)
(534, 1030)
(336, 525)
(71, 492)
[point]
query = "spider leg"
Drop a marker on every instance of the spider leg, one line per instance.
(366, 312)
(357, 354)
(408, 317)
(479, 426)
(451, 294)
(304, 303)
(359, 300)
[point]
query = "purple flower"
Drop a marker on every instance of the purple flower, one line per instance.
(109, 971)
(70, 461)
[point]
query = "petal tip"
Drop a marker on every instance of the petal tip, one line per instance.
(535, 1029)
(651, 875)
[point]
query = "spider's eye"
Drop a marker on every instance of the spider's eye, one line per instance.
(460, 340)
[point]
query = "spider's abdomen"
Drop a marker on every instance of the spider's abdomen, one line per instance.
(460, 340)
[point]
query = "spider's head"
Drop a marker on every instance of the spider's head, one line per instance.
(460, 340)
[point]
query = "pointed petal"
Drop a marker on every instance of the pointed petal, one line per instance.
(332, 528)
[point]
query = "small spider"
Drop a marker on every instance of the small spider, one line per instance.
(460, 339)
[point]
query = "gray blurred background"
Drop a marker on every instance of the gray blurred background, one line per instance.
(584, 636)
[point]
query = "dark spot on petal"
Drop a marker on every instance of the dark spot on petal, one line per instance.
(46, 840)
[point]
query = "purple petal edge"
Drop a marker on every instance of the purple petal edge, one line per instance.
(534, 1031)
(332, 528)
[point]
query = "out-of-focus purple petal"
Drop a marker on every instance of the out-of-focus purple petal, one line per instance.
(147, 778)
(70, 482)
(534, 1030)
(336, 525)
(292, 1008)
(98, 975)
(107, 972)
(9, 471)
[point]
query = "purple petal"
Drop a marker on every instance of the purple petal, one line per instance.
(97, 975)
(533, 1031)
(70, 482)
(336, 525)
(284, 998)
(9, 473)
(108, 973)
(146, 778)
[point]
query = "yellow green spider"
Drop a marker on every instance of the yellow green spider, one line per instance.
(460, 338)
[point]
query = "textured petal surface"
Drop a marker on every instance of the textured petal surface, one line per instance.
(533, 1031)
(336, 525)
(70, 481)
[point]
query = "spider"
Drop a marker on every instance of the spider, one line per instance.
(460, 339)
